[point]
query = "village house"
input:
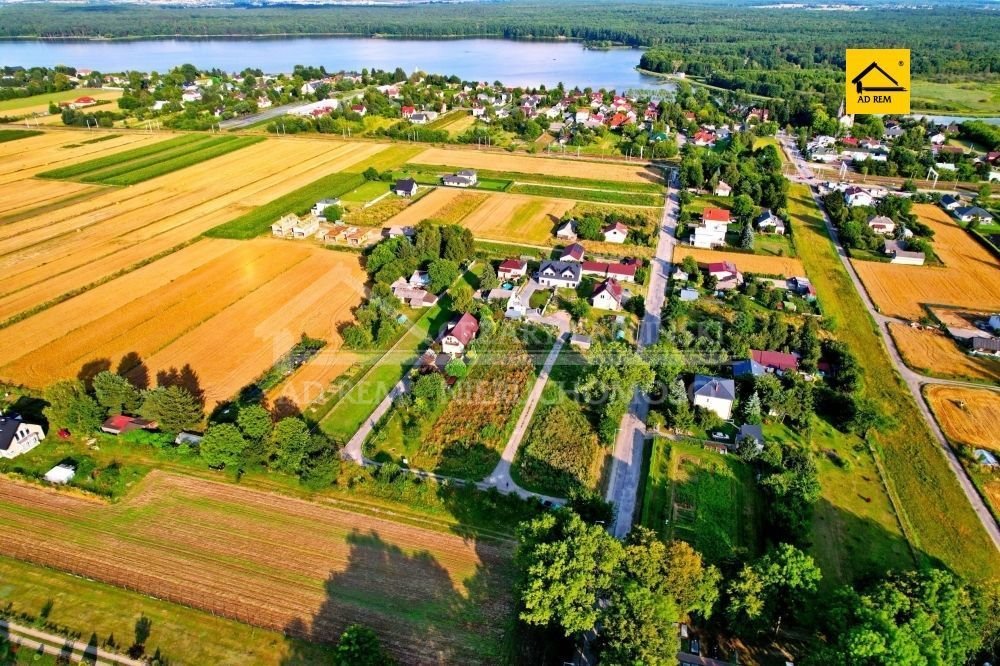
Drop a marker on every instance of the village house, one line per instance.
(712, 230)
(459, 334)
(726, 275)
(703, 139)
(881, 224)
(413, 295)
(623, 272)
(407, 187)
(607, 295)
(951, 202)
(464, 178)
(900, 255)
(714, 394)
(399, 231)
(970, 213)
(768, 222)
(567, 231)
(407, 111)
(855, 196)
(574, 252)
(986, 346)
(512, 269)
(723, 189)
(559, 274)
(801, 286)
(776, 362)
(121, 424)
(359, 109)
(319, 208)
(17, 436)
(292, 226)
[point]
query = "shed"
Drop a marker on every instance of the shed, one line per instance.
(62, 474)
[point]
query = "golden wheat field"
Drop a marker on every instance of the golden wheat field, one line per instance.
(425, 208)
(933, 352)
(550, 166)
(746, 263)
(967, 416)
(24, 158)
(227, 309)
(970, 275)
(517, 218)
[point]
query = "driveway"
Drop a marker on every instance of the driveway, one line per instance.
(913, 380)
(626, 465)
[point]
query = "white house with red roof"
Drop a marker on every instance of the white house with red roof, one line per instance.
(704, 138)
(623, 272)
(407, 111)
(726, 274)
(359, 109)
(607, 295)
(856, 196)
(712, 230)
(459, 334)
(615, 233)
(574, 252)
(512, 269)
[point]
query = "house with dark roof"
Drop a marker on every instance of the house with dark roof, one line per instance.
(567, 230)
(900, 255)
(748, 368)
(950, 202)
(464, 178)
(769, 223)
(714, 394)
(406, 187)
(987, 346)
(574, 252)
(17, 436)
(457, 335)
(607, 295)
(753, 432)
(559, 274)
(970, 213)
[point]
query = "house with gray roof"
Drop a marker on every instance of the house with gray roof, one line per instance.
(714, 394)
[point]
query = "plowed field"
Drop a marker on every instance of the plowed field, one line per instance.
(276, 562)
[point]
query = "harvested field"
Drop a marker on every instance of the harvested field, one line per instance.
(49, 255)
(58, 149)
(277, 562)
(473, 159)
(310, 382)
(426, 207)
(516, 219)
(746, 263)
(970, 275)
(21, 196)
(968, 416)
(229, 319)
(933, 353)
(459, 125)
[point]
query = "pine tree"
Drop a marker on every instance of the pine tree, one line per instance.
(752, 410)
(746, 237)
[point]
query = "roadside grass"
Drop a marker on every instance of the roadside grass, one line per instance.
(258, 221)
(45, 98)
(13, 135)
(937, 518)
(705, 498)
(542, 179)
(963, 97)
(83, 607)
(129, 156)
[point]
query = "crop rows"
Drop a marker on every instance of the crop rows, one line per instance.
(83, 168)
(215, 149)
(14, 135)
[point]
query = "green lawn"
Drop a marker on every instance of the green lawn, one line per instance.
(13, 135)
(35, 100)
(962, 97)
(938, 519)
(705, 498)
(367, 191)
(84, 607)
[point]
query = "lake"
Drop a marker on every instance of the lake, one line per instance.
(517, 63)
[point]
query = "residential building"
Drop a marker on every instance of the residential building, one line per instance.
(574, 252)
(801, 286)
(856, 196)
(688, 294)
(319, 208)
(567, 231)
(986, 346)
(994, 322)
(723, 189)
(776, 362)
(615, 233)
(580, 341)
(970, 213)
(17, 436)
(459, 334)
(712, 230)
(512, 269)
(413, 295)
(623, 272)
(464, 178)
(559, 274)
(407, 187)
(292, 226)
(726, 274)
(900, 255)
(951, 202)
(768, 222)
(881, 224)
(714, 394)
(607, 295)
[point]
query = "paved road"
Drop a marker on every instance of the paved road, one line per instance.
(352, 449)
(500, 476)
(55, 645)
(626, 466)
(913, 380)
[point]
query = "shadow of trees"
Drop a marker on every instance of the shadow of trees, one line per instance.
(421, 614)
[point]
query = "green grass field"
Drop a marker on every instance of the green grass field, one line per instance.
(702, 497)
(184, 635)
(367, 191)
(259, 220)
(201, 152)
(542, 179)
(937, 517)
(13, 135)
(964, 97)
(36, 100)
(580, 194)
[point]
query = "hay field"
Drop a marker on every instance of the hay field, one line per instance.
(49, 255)
(459, 125)
(25, 158)
(934, 353)
(746, 263)
(229, 318)
(426, 207)
(474, 159)
(976, 424)
(970, 275)
(278, 562)
(515, 218)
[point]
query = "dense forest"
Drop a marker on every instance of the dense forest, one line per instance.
(702, 38)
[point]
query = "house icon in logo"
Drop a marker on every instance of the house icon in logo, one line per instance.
(862, 88)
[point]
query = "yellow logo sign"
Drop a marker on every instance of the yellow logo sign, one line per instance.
(878, 81)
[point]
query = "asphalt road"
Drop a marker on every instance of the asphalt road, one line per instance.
(626, 466)
(913, 380)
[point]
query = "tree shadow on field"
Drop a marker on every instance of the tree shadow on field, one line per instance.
(91, 369)
(186, 378)
(133, 368)
(420, 613)
(285, 407)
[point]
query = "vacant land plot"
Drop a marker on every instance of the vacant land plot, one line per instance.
(426, 207)
(311, 382)
(746, 263)
(585, 194)
(517, 219)
(229, 318)
(934, 353)
(456, 126)
(472, 159)
(458, 208)
(968, 416)
(970, 275)
(275, 562)
(937, 518)
(27, 157)
(971, 97)
(23, 106)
